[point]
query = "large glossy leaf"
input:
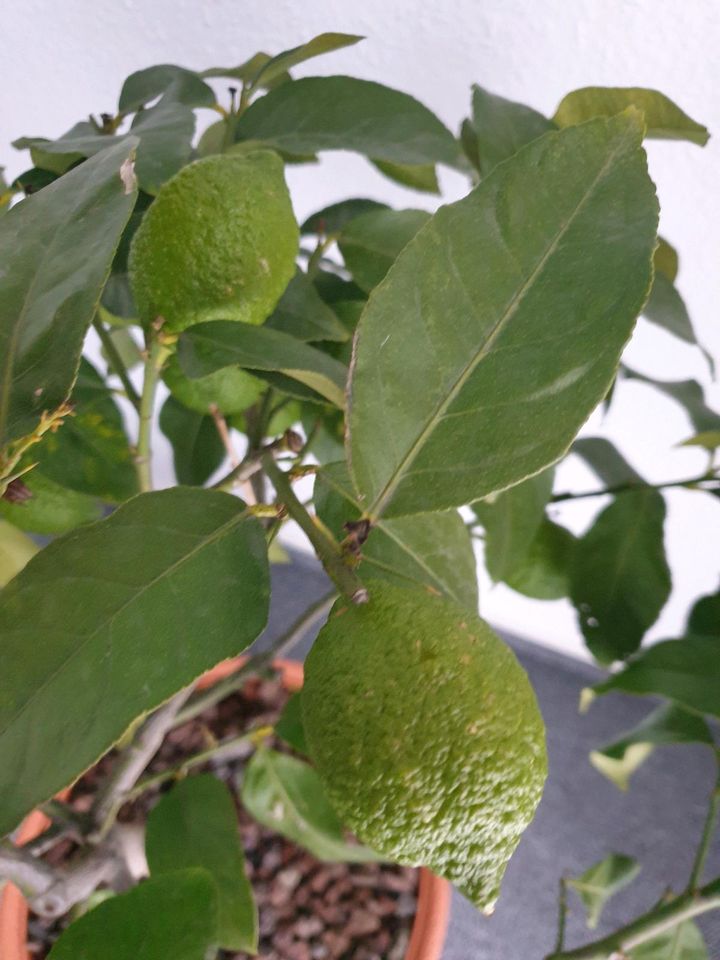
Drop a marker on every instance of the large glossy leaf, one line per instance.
(688, 393)
(173, 916)
(195, 825)
(208, 347)
(16, 549)
(197, 448)
(130, 610)
(686, 671)
(704, 617)
(344, 113)
(511, 520)
(664, 119)
(280, 64)
(56, 248)
(666, 724)
(544, 571)
(683, 942)
(286, 795)
(602, 881)
(606, 461)
(51, 508)
(620, 578)
(172, 83)
(502, 127)
(90, 453)
(432, 550)
(165, 132)
(370, 243)
(303, 314)
(500, 325)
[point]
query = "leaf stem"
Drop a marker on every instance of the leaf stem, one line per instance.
(692, 483)
(562, 915)
(707, 834)
(157, 353)
(327, 549)
(116, 362)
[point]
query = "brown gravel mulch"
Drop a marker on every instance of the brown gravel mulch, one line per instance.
(308, 910)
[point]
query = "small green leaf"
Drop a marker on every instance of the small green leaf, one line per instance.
(143, 602)
(16, 549)
(344, 113)
(433, 550)
(245, 72)
(286, 795)
(709, 440)
(544, 572)
(90, 453)
(606, 462)
(197, 448)
(173, 916)
(371, 243)
(502, 127)
(666, 308)
(511, 519)
(667, 723)
(280, 64)
(195, 825)
(602, 881)
(212, 346)
(417, 176)
(290, 726)
(56, 248)
(663, 118)
(666, 259)
(704, 618)
(51, 508)
(230, 389)
(166, 132)
(332, 219)
(683, 942)
(688, 393)
(426, 735)
(620, 578)
(686, 671)
(485, 397)
(302, 313)
(174, 84)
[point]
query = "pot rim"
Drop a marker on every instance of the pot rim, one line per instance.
(433, 904)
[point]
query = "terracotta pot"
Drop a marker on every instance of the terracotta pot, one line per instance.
(433, 909)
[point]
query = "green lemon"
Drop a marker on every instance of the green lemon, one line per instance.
(218, 243)
(230, 389)
(426, 733)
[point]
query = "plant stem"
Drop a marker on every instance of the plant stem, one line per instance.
(208, 698)
(562, 915)
(157, 353)
(624, 487)
(650, 925)
(116, 362)
(327, 549)
(29, 874)
(707, 834)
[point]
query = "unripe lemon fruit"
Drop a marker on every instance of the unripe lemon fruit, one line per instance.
(426, 733)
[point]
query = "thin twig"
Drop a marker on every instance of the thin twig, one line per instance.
(116, 362)
(707, 834)
(562, 915)
(156, 355)
(693, 483)
(224, 434)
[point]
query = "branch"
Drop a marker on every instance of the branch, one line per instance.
(116, 362)
(31, 875)
(692, 483)
(157, 353)
(707, 834)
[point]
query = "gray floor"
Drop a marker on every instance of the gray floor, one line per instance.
(582, 816)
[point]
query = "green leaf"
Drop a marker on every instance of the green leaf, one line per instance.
(686, 671)
(56, 248)
(246, 71)
(290, 726)
(606, 462)
(663, 118)
(602, 881)
(544, 572)
(620, 578)
(166, 132)
(174, 84)
(90, 453)
(332, 219)
(433, 550)
(666, 308)
(302, 313)
(143, 602)
(344, 113)
(16, 550)
(709, 440)
(173, 916)
(195, 825)
(230, 389)
(417, 176)
(688, 393)
(324, 43)
(511, 519)
(197, 448)
(371, 243)
(704, 617)
(286, 795)
(455, 341)
(51, 508)
(666, 259)
(665, 724)
(208, 347)
(683, 942)
(426, 735)
(502, 127)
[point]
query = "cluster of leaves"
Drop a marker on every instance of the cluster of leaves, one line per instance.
(432, 362)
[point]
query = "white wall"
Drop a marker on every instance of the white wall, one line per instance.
(62, 60)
